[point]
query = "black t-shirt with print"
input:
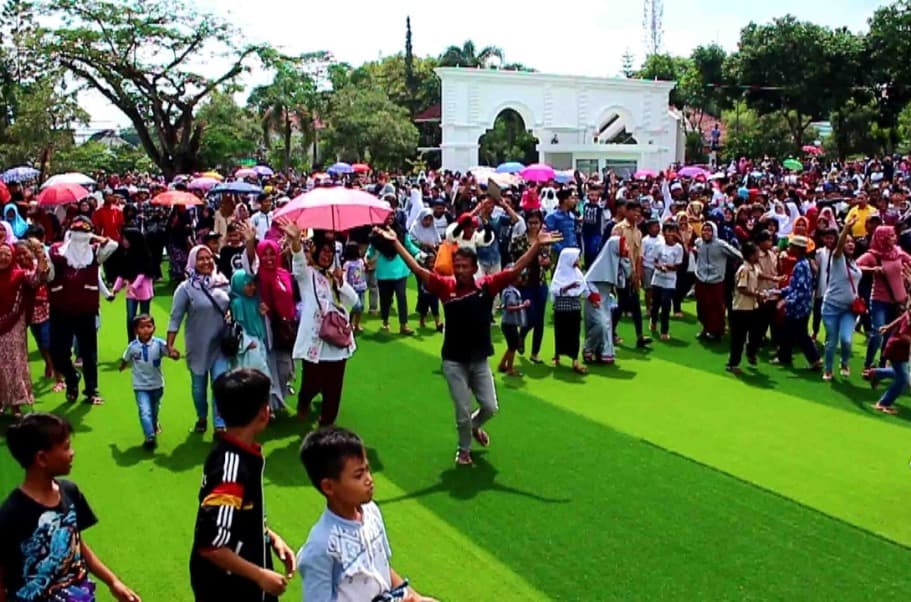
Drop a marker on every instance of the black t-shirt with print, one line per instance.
(40, 547)
(230, 260)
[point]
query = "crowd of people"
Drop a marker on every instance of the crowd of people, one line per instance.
(771, 255)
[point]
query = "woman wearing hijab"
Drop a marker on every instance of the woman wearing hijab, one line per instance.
(886, 262)
(179, 233)
(6, 233)
(608, 272)
(274, 283)
(135, 273)
(535, 289)
(392, 273)
(323, 290)
(15, 304)
(566, 290)
(203, 300)
(685, 275)
(423, 231)
(12, 217)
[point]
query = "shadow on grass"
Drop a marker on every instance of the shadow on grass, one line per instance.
(466, 482)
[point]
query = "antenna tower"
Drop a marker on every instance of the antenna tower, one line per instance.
(652, 25)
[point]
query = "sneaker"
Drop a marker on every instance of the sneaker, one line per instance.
(158, 428)
(608, 360)
(149, 444)
(463, 458)
(827, 376)
(481, 436)
(644, 342)
(201, 426)
(734, 370)
(844, 371)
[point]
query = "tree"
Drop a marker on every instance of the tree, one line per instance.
(887, 46)
(750, 134)
(290, 103)
(665, 67)
(467, 56)
(697, 86)
(230, 132)
(508, 140)
(389, 74)
(19, 30)
(140, 55)
(628, 66)
(798, 68)
(411, 82)
(94, 157)
(365, 125)
(852, 129)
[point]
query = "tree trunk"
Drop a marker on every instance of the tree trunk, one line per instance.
(287, 150)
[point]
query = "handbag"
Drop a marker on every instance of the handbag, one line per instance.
(231, 336)
(443, 263)
(858, 305)
(284, 333)
(334, 327)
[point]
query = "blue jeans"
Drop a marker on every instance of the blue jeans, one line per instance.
(200, 390)
(148, 403)
(135, 308)
(534, 315)
(898, 372)
(881, 313)
(839, 324)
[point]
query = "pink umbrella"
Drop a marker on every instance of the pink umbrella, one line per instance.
(812, 150)
(203, 183)
(538, 172)
(335, 208)
(246, 172)
(172, 198)
(692, 171)
(644, 173)
(62, 194)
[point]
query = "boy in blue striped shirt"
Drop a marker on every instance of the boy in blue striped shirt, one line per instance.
(145, 353)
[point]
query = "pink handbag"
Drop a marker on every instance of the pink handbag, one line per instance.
(334, 327)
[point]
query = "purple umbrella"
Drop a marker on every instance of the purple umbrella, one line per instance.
(204, 184)
(263, 170)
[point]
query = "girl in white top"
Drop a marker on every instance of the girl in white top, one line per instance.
(668, 259)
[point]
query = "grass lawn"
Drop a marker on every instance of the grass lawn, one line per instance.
(661, 478)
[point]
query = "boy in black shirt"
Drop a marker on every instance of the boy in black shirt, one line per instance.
(42, 553)
(230, 558)
(231, 255)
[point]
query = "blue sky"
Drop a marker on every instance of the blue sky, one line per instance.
(583, 37)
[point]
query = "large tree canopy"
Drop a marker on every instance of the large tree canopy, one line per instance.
(147, 57)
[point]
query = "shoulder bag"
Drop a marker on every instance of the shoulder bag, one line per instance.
(858, 305)
(334, 327)
(231, 335)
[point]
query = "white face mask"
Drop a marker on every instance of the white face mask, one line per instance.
(80, 238)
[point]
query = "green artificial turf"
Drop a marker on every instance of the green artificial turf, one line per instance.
(660, 478)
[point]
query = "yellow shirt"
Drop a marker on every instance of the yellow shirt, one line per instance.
(747, 277)
(861, 213)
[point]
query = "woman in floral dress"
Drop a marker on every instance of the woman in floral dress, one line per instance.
(16, 291)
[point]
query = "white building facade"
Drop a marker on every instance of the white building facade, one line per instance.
(585, 123)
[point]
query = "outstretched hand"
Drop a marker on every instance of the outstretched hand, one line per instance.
(387, 233)
(546, 238)
(290, 229)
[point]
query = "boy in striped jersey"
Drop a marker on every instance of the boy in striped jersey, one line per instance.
(231, 559)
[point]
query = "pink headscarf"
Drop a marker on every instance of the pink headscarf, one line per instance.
(882, 244)
(275, 287)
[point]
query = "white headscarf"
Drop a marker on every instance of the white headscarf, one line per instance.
(609, 265)
(213, 279)
(427, 235)
(415, 207)
(10, 236)
(77, 249)
(568, 274)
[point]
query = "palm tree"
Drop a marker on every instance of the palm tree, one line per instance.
(467, 56)
(287, 104)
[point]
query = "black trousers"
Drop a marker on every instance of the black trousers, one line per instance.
(63, 329)
(745, 330)
(662, 299)
(628, 300)
(794, 334)
(387, 289)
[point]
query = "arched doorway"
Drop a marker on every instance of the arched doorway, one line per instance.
(614, 129)
(508, 140)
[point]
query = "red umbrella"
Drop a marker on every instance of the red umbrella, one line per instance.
(360, 168)
(62, 194)
(812, 150)
(5, 196)
(173, 198)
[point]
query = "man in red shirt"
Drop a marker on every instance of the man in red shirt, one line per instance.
(467, 305)
(108, 219)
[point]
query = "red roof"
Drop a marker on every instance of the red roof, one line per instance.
(430, 114)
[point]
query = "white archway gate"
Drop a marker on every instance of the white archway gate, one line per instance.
(584, 123)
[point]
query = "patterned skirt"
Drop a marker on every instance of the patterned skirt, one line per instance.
(15, 378)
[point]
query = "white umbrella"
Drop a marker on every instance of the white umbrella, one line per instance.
(69, 178)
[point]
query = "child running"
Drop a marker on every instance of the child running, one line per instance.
(512, 322)
(43, 555)
(897, 352)
(346, 556)
(230, 558)
(145, 353)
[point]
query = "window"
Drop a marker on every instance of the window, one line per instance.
(587, 166)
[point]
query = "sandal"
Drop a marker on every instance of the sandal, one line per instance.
(94, 400)
(580, 369)
(72, 395)
(535, 360)
(588, 357)
(514, 372)
(885, 409)
(405, 331)
(58, 387)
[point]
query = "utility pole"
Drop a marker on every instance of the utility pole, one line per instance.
(653, 25)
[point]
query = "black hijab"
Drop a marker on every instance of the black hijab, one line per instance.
(135, 259)
(386, 247)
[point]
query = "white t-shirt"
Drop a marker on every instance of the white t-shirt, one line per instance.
(650, 246)
(666, 254)
(345, 560)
